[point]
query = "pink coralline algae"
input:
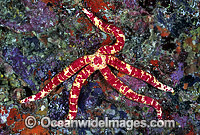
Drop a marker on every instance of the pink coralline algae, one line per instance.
(178, 74)
(181, 120)
(38, 18)
(133, 83)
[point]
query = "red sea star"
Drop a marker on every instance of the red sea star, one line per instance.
(99, 61)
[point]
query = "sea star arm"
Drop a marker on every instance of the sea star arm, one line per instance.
(138, 73)
(60, 77)
(107, 28)
(129, 93)
(76, 88)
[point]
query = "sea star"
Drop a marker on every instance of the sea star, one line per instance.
(100, 60)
